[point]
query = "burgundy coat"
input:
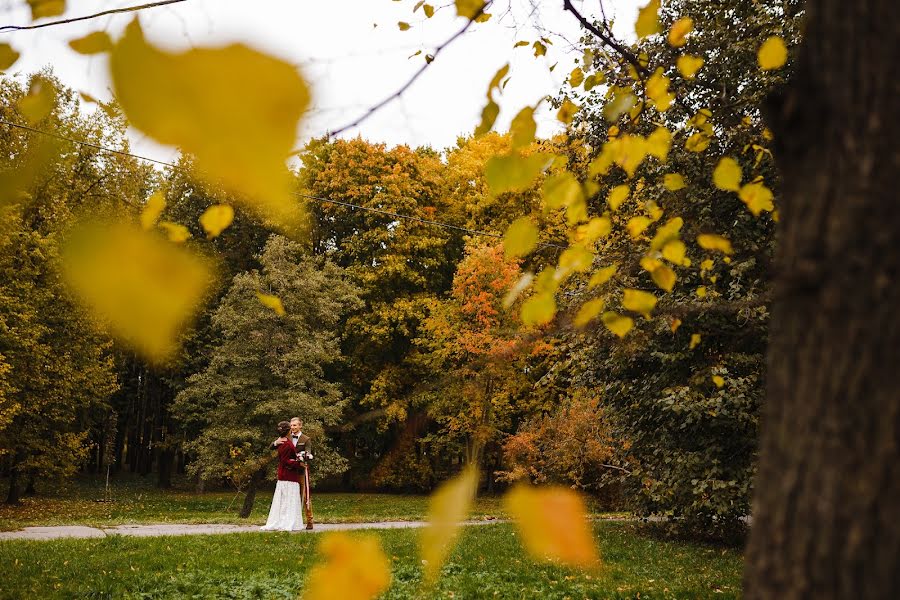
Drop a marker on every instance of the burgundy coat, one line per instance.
(289, 468)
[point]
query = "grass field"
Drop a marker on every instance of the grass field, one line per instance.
(488, 563)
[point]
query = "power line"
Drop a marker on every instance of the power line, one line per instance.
(124, 9)
(395, 215)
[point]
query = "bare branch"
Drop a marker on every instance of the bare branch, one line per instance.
(606, 39)
(412, 79)
(124, 9)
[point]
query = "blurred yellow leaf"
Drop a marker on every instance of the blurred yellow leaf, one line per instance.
(403, 26)
(514, 173)
(727, 174)
(575, 258)
(666, 232)
(561, 190)
(618, 195)
(757, 197)
(483, 17)
(601, 276)
(639, 301)
(576, 77)
(659, 142)
(523, 128)
(673, 182)
(628, 151)
(144, 288)
(216, 219)
(593, 230)
(539, 309)
(711, 241)
(447, 508)
(688, 65)
(488, 117)
(40, 101)
(588, 311)
(621, 102)
(46, 8)
(553, 524)
(355, 568)
(156, 203)
(8, 56)
(177, 233)
(648, 20)
(674, 324)
(240, 129)
(272, 302)
(539, 49)
(93, 43)
(567, 111)
(718, 380)
(664, 277)
(698, 142)
(468, 8)
(679, 30)
(772, 54)
(701, 291)
(521, 237)
(674, 251)
(695, 340)
(658, 90)
(616, 323)
(637, 225)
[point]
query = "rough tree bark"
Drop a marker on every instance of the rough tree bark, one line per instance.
(827, 501)
(255, 480)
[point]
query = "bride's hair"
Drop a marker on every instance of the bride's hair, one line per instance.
(283, 428)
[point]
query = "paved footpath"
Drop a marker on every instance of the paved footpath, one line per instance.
(80, 531)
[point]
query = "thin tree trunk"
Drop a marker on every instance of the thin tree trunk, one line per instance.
(14, 492)
(826, 513)
(249, 499)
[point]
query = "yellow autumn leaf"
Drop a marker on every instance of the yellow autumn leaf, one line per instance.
(668, 231)
(156, 203)
(8, 56)
(593, 230)
(575, 259)
(659, 142)
(679, 30)
(707, 264)
(145, 289)
(175, 231)
(93, 43)
(757, 197)
(674, 251)
(639, 301)
(698, 142)
(561, 190)
(664, 277)
(523, 128)
(402, 25)
(673, 182)
(718, 380)
(354, 568)
(648, 20)
(701, 291)
(240, 130)
(650, 263)
(628, 151)
(216, 219)
(510, 173)
(46, 8)
(271, 302)
(617, 196)
(521, 237)
(539, 309)
(674, 324)
(567, 111)
(658, 90)
(601, 276)
(539, 49)
(772, 54)
(727, 175)
(488, 117)
(588, 311)
(468, 8)
(40, 101)
(616, 323)
(695, 340)
(637, 225)
(688, 65)
(653, 210)
(447, 508)
(576, 77)
(553, 524)
(711, 241)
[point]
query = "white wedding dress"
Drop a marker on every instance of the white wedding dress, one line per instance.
(285, 514)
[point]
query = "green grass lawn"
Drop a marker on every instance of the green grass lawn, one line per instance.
(488, 563)
(137, 500)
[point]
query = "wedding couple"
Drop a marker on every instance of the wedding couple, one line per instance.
(294, 453)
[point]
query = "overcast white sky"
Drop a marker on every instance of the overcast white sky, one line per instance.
(352, 53)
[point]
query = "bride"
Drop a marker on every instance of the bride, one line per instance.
(285, 512)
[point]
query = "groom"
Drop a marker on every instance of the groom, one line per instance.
(303, 448)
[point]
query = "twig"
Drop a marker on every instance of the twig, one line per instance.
(124, 9)
(412, 79)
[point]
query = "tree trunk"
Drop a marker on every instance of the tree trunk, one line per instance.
(14, 493)
(247, 508)
(826, 512)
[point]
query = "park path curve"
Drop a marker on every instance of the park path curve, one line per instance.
(81, 531)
